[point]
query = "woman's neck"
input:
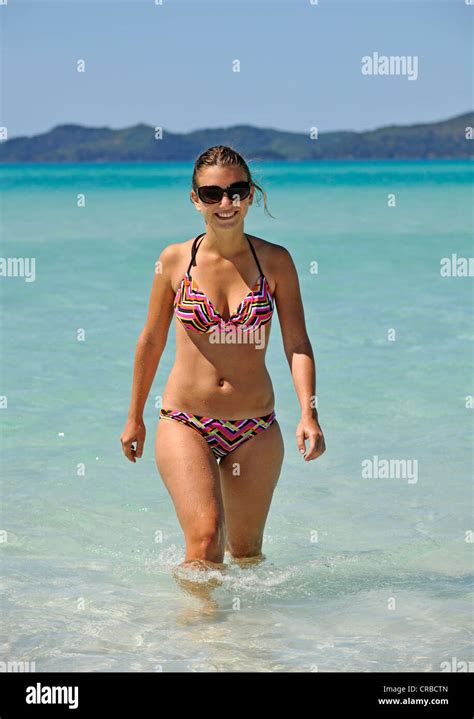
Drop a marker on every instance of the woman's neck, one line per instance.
(226, 244)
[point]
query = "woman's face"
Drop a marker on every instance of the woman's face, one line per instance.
(223, 177)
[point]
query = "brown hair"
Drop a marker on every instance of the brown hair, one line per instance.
(224, 156)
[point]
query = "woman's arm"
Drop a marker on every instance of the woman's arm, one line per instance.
(299, 353)
(150, 346)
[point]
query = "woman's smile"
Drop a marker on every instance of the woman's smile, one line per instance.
(226, 215)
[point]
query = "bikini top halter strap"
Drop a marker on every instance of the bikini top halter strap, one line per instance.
(195, 248)
(254, 254)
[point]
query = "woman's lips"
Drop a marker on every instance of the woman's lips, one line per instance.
(226, 216)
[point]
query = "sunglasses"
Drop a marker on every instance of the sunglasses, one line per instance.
(210, 194)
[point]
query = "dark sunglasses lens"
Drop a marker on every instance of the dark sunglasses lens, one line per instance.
(241, 189)
(210, 193)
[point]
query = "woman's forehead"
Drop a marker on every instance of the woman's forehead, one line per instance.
(218, 175)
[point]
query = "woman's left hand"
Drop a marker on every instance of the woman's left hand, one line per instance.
(309, 429)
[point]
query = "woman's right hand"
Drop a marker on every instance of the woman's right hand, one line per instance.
(134, 432)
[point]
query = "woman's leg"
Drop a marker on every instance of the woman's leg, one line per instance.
(190, 473)
(248, 477)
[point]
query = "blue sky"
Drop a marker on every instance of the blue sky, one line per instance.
(170, 65)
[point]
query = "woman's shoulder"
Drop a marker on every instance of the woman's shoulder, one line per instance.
(175, 252)
(271, 248)
(275, 256)
(174, 258)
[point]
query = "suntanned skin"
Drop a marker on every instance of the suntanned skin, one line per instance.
(222, 506)
(227, 381)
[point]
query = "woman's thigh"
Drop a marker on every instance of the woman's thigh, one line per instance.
(248, 477)
(191, 475)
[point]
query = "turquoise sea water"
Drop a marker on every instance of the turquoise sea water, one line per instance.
(87, 583)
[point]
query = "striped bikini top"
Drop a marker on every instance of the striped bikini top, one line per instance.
(196, 312)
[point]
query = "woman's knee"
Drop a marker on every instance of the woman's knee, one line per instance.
(206, 538)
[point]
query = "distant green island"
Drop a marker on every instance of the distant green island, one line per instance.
(76, 143)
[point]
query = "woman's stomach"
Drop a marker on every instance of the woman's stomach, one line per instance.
(225, 382)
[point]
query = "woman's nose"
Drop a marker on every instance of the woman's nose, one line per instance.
(226, 201)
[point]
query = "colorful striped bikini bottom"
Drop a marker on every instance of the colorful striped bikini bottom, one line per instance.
(222, 435)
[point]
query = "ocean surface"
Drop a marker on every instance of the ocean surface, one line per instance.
(365, 571)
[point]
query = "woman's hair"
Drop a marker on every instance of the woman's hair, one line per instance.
(225, 156)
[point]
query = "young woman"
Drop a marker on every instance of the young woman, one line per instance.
(219, 448)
